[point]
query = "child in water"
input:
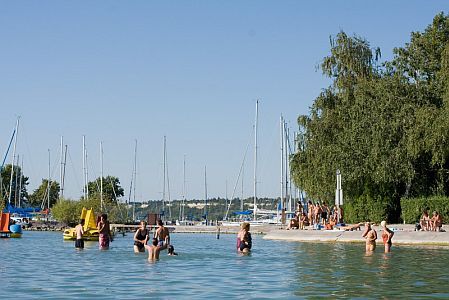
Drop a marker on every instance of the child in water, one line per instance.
(171, 251)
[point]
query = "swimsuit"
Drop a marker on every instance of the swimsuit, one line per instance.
(140, 236)
(242, 245)
(79, 243)
(103, 240)
(385, 239)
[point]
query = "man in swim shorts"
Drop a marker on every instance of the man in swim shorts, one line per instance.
(162, 235)
(79, 243)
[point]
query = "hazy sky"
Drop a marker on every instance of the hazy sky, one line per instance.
(116, 71)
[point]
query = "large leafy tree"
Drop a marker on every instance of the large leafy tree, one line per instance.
(41, 194)
(19, 182)
(112, 190)
(386, 127)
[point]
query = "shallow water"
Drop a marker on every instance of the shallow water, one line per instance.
(42, 266)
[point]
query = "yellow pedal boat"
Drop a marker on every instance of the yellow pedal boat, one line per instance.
(91, 232)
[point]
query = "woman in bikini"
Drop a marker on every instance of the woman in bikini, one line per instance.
(370, 235)
(387, 235)
(425, 221)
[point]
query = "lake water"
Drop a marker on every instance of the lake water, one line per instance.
(42, 266)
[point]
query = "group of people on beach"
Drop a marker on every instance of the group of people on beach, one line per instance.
(316, 214)
(427, 223)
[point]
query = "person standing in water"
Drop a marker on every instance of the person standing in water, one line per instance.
(387, 235)
(153, 250)
(370, 235)
(244, 240)
(162, 235)
(105, 232)
(140, 237)
(79, 243)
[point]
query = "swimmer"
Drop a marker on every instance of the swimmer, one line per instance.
(387, 235)
(171, 251)
(370, 235)
(244, 240)
(79, 243)
(162, 235)
(153, 250)
(139, 238)
(105, 232)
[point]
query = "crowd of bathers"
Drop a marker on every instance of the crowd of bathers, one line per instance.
(317, 214)
(159, 242)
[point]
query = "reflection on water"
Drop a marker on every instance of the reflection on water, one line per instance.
(41, 265)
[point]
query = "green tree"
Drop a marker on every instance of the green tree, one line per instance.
(16, 196)
(386, 127)
(111, 189)
(67, 211)
(41, 194)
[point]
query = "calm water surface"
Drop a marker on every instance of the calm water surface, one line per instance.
(42, 266)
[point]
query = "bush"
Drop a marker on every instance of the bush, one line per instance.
(412, 208)
(366, 208)
(67, 211)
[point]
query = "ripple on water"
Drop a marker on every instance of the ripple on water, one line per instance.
(41, 265)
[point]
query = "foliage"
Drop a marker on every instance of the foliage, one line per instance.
(366, 208)
(67, 211)
(5, 179)
(41, 194)
(386, 127)
(412, 208)
(111, 188)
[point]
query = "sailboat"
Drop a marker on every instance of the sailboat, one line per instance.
(15, 230)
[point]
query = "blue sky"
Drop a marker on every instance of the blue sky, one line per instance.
(117, 71)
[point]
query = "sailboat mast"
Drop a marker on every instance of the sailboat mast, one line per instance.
(255, 160)
(84, 167)
(61, 166)
(49, 181)
(287, 195)
(205, 193)
(16, 181)
(163, 189)
(20, 183)
(63, 172)
(281, 127)
(183, 189)
(13, 160)
(101, 176)
(135, 175)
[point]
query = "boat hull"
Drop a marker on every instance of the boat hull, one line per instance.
(90, 235)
